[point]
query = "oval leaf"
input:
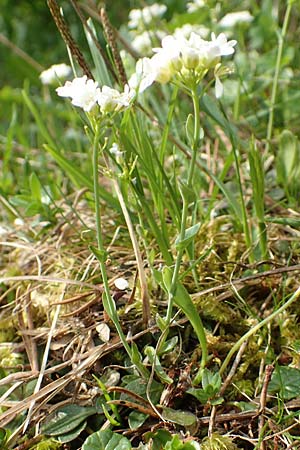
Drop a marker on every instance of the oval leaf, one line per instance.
(67, 419)
(189, 235)
(106, 440)
(184, 418)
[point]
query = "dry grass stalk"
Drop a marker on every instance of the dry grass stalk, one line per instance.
(108, 64)
(67, 37)
(111, 40)
(30, 344)
(138, 256)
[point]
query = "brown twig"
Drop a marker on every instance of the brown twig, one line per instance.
(233, 368)
(30, 349)
(129, 393)
(19, 52)
(133, 405)
(226, 383)
(241, 282)
(262, 406)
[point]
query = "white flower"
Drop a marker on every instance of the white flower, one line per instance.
(143, 42)
(221, 46)
(182, 58)
(83, 92)
(121, 284)
(186, 30)
(195, 5)
(115, 150)
(138, 18)
(143, 76)
(218, 87)
(111, 100)
(218, 72)
(55, 73)
(231, 19)
(214, 49)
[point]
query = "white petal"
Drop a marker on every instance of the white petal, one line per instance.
(218, 88)
(121, 284)
(104, 332)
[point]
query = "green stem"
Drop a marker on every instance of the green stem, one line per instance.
(185, 205)
(256, 328)
(277, 70)
(184, 216)
(108, 302)
(244, 212)
(263, 241)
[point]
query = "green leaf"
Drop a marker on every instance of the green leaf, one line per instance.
(210, 106)
(136, 419)
(286, 382)
(100, 255)
(211, 379)
(35, 187)
(72, 170)
(189, 235)
(183, 418)
(4, 435)
(37, 116)
(292, 222)
(136, 359)
(199, 394)
(217, 401)
(106, 440)
(102, 75)
(288, 156)
(177, 444)
(187, 193)
(78, 177)
(139, 386)
(159, 438)
(183, 300)
(169, 345)
(189, 129)
(68, 437)
(258, 180)
(67, 419)
(154, 359)
(167, 277)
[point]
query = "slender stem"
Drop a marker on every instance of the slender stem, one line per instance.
(138, 256)
(185, 208)
(244, 212)
(185, 205)
(254, 329)
(277, 70)
(108, 302)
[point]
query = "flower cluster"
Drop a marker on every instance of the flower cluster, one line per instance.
(183, 58)
(86, 94)
(143, 42)
(55, 73)
(138, 18)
